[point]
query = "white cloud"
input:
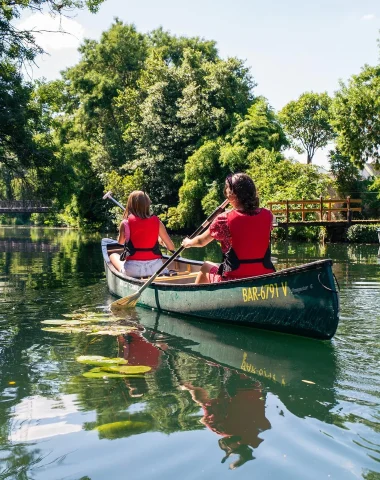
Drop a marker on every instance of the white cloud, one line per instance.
(370, 16)
(49, 31)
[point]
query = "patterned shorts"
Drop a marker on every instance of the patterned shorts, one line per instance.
(214, 276)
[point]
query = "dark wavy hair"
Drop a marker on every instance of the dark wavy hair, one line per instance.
(244, 188)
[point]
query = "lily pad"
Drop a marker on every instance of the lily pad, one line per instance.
(112, 330)
(63, 329)
(100, 361)
(72, 326)
(103, 375)
(122, 429)
(65, 323)
(89, 315)
(131, 369)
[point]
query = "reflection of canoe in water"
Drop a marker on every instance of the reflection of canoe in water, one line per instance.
(281, 363)
(300, 300)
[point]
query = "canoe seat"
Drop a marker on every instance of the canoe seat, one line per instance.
(181, 278)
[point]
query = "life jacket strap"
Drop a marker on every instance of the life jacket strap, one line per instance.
(231, 261)
(130, 249)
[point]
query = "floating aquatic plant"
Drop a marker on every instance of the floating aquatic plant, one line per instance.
(71, 327)
(68, 329)
(104, 375)
(131, 369)
(100, 361)
(121, 429)
(64, 323)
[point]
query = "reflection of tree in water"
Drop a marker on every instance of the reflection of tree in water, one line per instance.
(20, 459)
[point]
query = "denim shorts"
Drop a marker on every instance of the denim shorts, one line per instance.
(142, 268)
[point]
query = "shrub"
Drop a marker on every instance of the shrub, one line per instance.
(363, 233)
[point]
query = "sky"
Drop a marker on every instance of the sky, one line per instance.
(290, 46)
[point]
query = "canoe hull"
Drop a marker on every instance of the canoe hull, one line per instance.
(301, 300)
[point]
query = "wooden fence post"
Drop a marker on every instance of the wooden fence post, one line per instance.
(303, 209)
(287, 211)
(349, 209)
(321, 208)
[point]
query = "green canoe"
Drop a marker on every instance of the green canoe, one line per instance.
(301, 300)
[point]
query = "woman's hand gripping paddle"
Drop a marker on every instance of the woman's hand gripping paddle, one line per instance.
(131, 300)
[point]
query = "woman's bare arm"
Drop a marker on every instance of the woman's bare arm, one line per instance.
(121, 237)
(199, 241)
(164, 236)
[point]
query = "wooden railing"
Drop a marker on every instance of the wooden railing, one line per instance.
(23, 206)
(324, 208)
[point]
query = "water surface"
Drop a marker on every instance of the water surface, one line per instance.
(218, 401)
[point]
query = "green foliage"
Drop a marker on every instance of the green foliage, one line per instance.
(260, 128)
(164, 114)
(25, 151)
(30, 166)
(203, 179)
(206, 169)
(278, 178)
(304, 234)
(356, 116)
(363, 233)
(122, 186)
(307, 121)
(21, 45)
(347, 177)
(349, 182)
(141, 103)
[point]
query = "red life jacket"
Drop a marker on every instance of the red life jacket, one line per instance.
(143, 241)
(249, 254)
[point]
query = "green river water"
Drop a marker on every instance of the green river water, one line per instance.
(219, 402)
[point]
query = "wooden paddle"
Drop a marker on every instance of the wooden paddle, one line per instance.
(131, 300)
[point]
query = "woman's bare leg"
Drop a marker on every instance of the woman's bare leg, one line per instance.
(203, 274)
(116, 262)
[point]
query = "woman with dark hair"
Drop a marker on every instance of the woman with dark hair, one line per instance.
(142, 233)
(237, 413)
(243, 232)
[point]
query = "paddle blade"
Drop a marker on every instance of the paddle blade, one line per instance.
(125, 302)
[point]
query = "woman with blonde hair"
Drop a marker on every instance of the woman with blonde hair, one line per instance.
(141, 233)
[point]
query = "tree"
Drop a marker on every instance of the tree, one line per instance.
(260, 128)
(346, 174)
(307, 120)
(146, 103)
(25, 151)
(356, 116)
(28, 165)
(278, 178)
(206, 169)
(21, 45)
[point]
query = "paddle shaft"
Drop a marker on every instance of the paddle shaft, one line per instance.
(202, 228)
(109, 195)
